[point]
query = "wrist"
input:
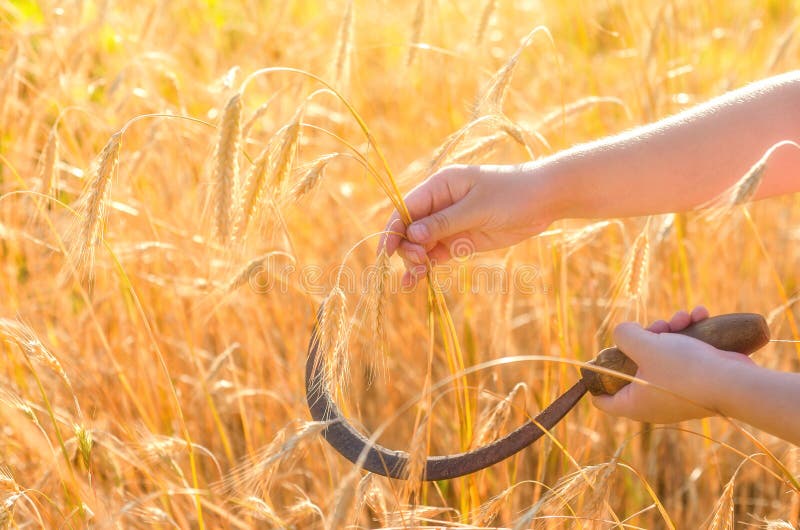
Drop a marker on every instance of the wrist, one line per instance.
(727, 384)
(554, 189)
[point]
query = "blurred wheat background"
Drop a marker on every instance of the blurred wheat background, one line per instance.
(169, 222)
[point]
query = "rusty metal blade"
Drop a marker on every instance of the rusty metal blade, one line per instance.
(378, 459)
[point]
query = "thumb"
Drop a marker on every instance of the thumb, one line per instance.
(459, 217)
(633, 340)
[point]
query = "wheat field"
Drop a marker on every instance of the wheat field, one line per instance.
(183, 183)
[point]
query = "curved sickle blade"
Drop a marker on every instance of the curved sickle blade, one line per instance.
(378, 459)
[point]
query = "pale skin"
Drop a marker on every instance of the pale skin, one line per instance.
(672, 165)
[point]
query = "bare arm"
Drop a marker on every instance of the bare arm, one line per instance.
(682, 161)
(764, 398)
(671, 165)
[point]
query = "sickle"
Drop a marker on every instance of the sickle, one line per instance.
(738, 332)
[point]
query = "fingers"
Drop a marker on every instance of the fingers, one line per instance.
(633, 340)
(442, 224)
(659, 326)
(699, 313)
(417, 266)
(679, 321)
(413, 253)
(432, 207)
(620, 404)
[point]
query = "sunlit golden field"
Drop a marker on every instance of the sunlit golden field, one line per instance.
(170, 219)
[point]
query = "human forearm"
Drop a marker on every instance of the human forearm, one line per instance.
(764, 398)
(683, 161)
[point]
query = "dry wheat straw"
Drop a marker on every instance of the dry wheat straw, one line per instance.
(444, 151)
(420, 516)
(253, 191)
(332, 339)
(311, 177)
(635, 274)
(8, 80)
(10, 494)
(479, 150)
(254, 475)
(26, 340)
(721, 517)
(225, 176)
(301, 510)
(258, 508)
(344, 49)
(577, 239)
(343, 498)
(745, 188)
(375, 497)
(777, 524)
(85, 445)
(94, 205)
(415, 466)
(559, 116)
(246, 273)
(781, 48)
(375, 304)
(286, 152)
(487, 511)
(492, 420)
(667, 224)
(491, 100)
(257, 115)
(48, 161)
(416, 32)
(483, 22)
(591, 481)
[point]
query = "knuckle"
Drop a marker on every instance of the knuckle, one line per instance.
(440, 223)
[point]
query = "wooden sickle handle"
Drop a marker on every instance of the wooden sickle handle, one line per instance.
(737, 332)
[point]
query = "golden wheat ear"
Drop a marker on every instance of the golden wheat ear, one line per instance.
(225, 175)
(92, 207)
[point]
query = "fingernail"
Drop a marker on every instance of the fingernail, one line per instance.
(418, 232)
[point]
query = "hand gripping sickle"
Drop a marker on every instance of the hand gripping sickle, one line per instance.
(737, 332)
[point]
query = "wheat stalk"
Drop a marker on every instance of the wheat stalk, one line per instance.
(344, 48)
(489, 7)
(416, 32)
(225, 176)
(343, 499)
